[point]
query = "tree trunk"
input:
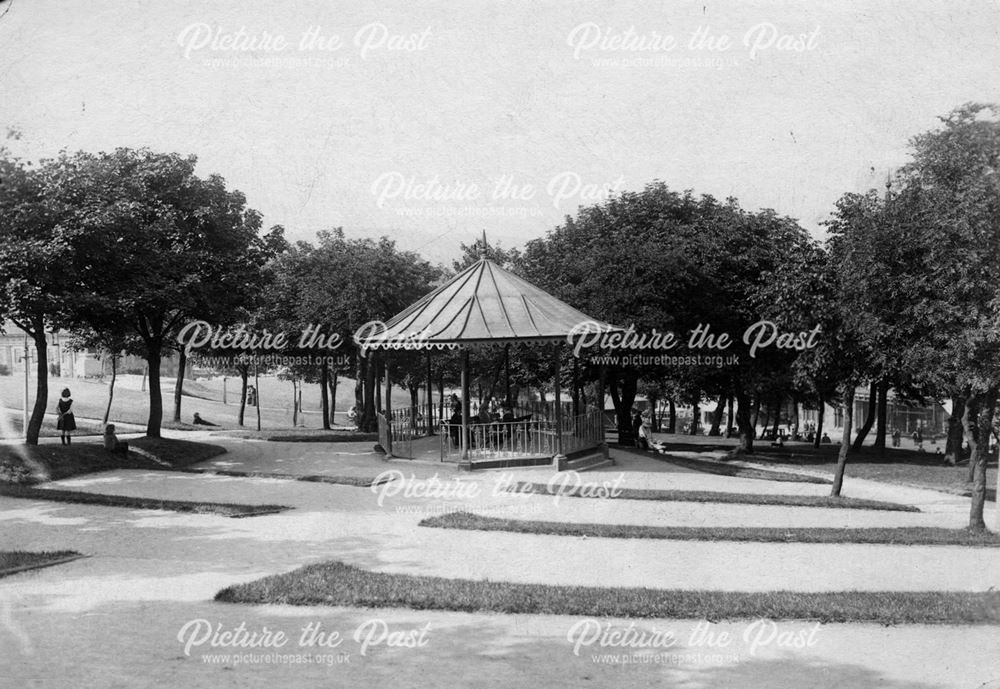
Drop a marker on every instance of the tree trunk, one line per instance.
(414, 405)
(244, 375)
(869, 421)
(672, 418)
(720, 409)
(179, 385)
(324, 394)
(377, 365)
(819, 422)
(653, 402)
(953, 444)
(883, 404)
(111, 389)
(295, 403)
(332, 382)
(361, 373)
(756, 415)
(153, 357)
(623, 398)
(730, 405)
(369, 422)
(978, 422)
(256, 392)
(777, 417)
(743, 423)
(695, 414)
(41, 384)
(845, 443)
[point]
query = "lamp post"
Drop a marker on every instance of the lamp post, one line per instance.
(26, 364)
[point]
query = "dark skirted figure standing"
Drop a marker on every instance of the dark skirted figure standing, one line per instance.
(66, 421)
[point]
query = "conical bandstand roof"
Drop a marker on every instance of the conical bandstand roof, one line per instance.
(483, 304)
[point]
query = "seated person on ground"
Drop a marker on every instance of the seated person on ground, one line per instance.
(111, 441)
(198, 421)
(645, 435)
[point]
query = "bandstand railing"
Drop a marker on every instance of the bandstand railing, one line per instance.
(526, 438)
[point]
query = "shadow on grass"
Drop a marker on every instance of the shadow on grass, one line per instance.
(36, 463)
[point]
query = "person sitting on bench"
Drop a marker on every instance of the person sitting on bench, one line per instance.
(508, 419)
(112, 443)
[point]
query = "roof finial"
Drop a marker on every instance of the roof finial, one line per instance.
(486, 246)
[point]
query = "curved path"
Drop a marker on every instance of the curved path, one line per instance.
(118, 612)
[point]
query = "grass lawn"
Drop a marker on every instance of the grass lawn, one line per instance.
(33, 463)
(12, 561)
(84, 498)
(901, 466)
(907, 535)
(335, 583)
(131, 404)
(719, 497)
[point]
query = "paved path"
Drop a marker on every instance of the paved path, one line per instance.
(113, 618)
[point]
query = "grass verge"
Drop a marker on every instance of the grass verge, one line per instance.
(304, 436)
(335, 583)
(906, 535)
(225, 509)
(359, 481)
(34, 463)
(719, 497)
(14, 561)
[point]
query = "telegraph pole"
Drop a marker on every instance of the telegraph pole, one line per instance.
(26, 364)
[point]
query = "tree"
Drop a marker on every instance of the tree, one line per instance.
(38, 277)
(481, 248)
(955, 188)
(336, 287)
(162, 247)
(678, 261)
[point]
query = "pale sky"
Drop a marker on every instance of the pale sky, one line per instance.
(554, 102)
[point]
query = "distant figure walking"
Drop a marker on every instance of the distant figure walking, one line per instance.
(66, 421)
